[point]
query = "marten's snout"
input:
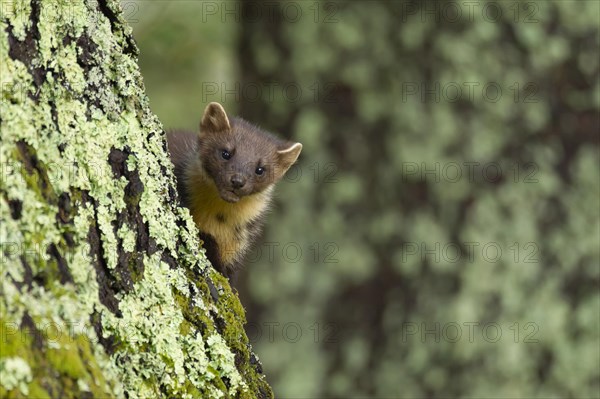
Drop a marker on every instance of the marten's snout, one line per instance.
(238, 181)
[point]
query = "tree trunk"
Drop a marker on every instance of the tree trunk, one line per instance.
(104, 291)
(430, 137)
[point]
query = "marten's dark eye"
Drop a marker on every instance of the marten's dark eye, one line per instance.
(225, 154)
(260, 170)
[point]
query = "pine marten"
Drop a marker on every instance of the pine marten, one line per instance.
(225, 177)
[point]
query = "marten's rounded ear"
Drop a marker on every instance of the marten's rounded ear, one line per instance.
(288, 155)
(214, 119)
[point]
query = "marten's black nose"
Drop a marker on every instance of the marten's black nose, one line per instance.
(237, 181)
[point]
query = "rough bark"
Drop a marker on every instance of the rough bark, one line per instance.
(104, 287)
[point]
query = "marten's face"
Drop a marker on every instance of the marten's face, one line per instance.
(240, 158)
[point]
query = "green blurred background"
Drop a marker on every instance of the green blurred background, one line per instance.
(440, 236)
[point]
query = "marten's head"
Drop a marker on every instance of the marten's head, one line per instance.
(241, 158)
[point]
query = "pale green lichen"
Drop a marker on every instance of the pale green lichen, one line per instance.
(128, 238)
(19, 12)
(158, 347)
(155, 321)
(223, 361)
(15, 373)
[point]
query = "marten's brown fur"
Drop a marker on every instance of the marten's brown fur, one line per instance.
(225, 176)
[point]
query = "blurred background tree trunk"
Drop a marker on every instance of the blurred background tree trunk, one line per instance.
(397, 98)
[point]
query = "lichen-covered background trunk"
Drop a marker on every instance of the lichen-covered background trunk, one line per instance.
(104, 288)
(484, 284)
